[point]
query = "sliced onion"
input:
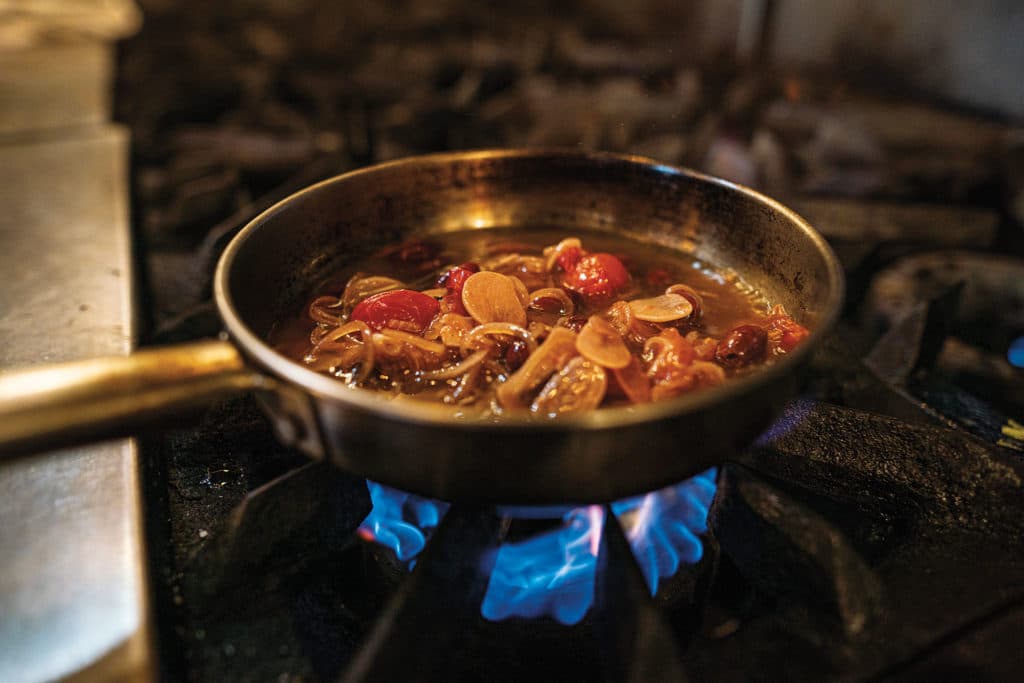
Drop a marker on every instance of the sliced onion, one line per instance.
(568, 308)
(368, 351)
(459, 368)
(667, 353)
(532, 264)
(535, 263)
(399, 337)
(339, 332)
(450, 328)
(515, 263)
(620, 315)
(318, 333)
(319, 313)
(556, 251)
(495, 329)
(577, 387)
(369, 359)
(707, 374)
(556, 350)
(699, 374)
(538, 329)
(468, 382)
(361, 286)
(321, 363)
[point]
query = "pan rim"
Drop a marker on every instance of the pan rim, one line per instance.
(429, 414)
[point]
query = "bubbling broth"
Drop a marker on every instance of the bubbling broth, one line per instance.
(537, 321)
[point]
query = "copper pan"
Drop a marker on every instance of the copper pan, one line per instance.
(275, 261)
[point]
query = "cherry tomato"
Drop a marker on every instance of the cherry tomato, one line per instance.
(792, 338)
(415, 309)
(569, 257)
(787, 331)
(453, 280)
(597, 276)
(442, 280)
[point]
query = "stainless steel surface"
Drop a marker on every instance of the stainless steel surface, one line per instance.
(54, 86)
(72, 597)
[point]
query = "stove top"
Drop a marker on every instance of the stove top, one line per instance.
(874, 531)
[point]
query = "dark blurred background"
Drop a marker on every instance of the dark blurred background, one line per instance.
(234, 104)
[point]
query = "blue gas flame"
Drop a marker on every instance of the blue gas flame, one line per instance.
(550, 574)
(400, 521)
(1015, 354)
(663, 527)
(553, 573)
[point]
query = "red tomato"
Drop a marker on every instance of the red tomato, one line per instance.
(382, 310)
(569, 257)
(453, 280)
(597, 276)
(787, 331)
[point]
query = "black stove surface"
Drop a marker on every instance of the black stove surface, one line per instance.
(873, 533)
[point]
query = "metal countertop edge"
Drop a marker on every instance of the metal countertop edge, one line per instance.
(133, 658)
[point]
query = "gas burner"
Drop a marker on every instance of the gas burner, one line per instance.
(552, 572)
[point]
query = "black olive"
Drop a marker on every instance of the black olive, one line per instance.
(742, 346)
(516, 355)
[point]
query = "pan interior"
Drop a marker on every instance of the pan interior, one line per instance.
(279, 259)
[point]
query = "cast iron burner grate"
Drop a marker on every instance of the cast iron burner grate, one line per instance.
(845, 545)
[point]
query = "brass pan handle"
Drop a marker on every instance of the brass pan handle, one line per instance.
(90, 400)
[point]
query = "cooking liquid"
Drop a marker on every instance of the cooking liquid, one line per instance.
(727, 300)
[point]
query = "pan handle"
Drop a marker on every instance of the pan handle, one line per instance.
(90, 400)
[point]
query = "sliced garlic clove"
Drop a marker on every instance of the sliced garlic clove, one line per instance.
(691, 295)
(599, 342)
(577, 387)
(493, 298)
(661, 309)
(521, 291)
